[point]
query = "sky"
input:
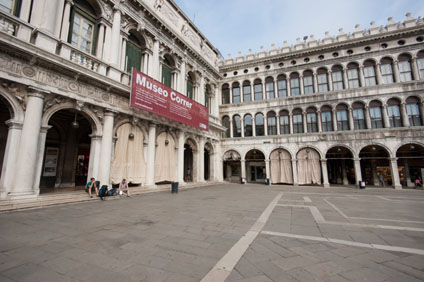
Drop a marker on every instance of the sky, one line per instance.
(239, 25)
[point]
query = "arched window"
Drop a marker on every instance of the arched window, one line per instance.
(207, 98)
(311, 118)
(326, 119)
(10, 7)
(190, 85)
(225, 94)
(269, 88)
(420, 63)
(376, 115)
(342, 117)
(393, 112)
(413, 111)
(259, 124)
(258, 90)
(226, 124)
(405, 70)
(297, 121)
(369, 73)
(308, 82)
(167, 66)
(284, 122)
(358, 116)
(236, 126)
(353, 75)
(322, 80)
(272, 123)
(282, 86)
(387, 70)
(83, 27)
(133, 53)
(337, 77)
(294, 84)
(248, 129)
(247, 91)
(236, 93)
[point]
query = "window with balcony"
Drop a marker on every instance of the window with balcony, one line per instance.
(258, 91)
(413, 111)
(284, 122)
(271, 123)
(236, 93)
(342, 118)
(308, 82)
(386, 67)
(337, 77)
(259, 125)
(294, 84)
(376, 115)
(358, 116)
(282, 86)
(133, 53)
(248, 126)
(10, 6)
(322, 80)
(247, 92)
(269, 88)
(326, 119)
(405, 70)
(393, 112)
(83, 27)
(369, 73)
(297, 121)
(353, 75)
(311, 119)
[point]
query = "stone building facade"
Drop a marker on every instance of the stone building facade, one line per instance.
(337, 110)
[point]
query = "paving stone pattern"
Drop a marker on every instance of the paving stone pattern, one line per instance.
(167, 237)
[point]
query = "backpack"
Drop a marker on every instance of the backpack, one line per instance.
(103, 192)
(111, 192)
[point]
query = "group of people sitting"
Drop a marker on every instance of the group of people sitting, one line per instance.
(103, 191)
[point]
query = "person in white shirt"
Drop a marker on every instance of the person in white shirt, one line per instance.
(123, 188)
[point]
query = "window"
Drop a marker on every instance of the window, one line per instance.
(272, 124)
(236, 126)
(190, 85)
(405, 68)
(369, 73)
(394, 116)
(326, 120)
(297, 122)
(284, 123)
(10, 6)
(82, 33)
(337, 76)
(167, 77)
(413, 111)
(322, 80)
(312, 122)
(259, 125)
(207, 101)
(282, 86)
(342, 120)
(358, 116)
(236, 93)
(420, 63)
(247, 94)
(308, 82)
(258, 90)
(352, 76)
(133, 53)
(376, 116)
(269, 88)
(226, 124)
(248, 129)
(225, 94)
(294, 84)
(386, 70)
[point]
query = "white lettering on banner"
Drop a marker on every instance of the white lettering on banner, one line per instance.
(149, 85)
(180, 100)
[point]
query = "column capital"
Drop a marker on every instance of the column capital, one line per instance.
(356, 159)
(243, 161)
(152, 124)
(323, 160)
(44, 129)
(37, 92)
(110, 112)
(14, 124)
(70, 2)
(393, 159)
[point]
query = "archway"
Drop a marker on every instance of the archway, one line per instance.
(340, 166)
(255, 166)
(165, 159)
(308, 167)
(4, 116)
(232, 166)
(281, 167)
(188, 163)
(375, 166)
(410, 159)
(67, 151)
(208, 162)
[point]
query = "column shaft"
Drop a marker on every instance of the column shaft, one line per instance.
(181, 157)
(294, 168)
(151, 147)
(358, 173)
(116, 34)
(395, 174)
(324, 173)
(65, 21)
(201, 174)
(106, 149)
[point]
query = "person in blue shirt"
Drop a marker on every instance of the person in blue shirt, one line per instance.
(90, 185)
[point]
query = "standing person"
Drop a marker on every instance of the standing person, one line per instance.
(123, 188)
(418, 182)
(188, 175)
(90, 185)
(381, 180)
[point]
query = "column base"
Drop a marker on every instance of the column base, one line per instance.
(22, 196)
(150, 186)
(398, 187)
(326, 185)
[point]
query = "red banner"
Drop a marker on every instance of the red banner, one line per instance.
(151, 95)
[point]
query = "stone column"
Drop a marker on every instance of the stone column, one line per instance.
(302, 91)
(93, 165)
(288, 87)
(25, 10)
(151, 148)
(315, 83)
(407, 174)
(379, 75)
(361, 76)
(294, 169)
(253, 126)
(291, 122)
(415, 72)
(319, 121)
(358, 173)
(180, 166)
(422, 112)
(267, 170)
(344, 173)
(265, 125)
(243, 170)
(324, 173)
(242, 126)
(330, 81)
(374, 173)
(65, 21)
(404, 115)
(39, 165)
(107, 44)
(231, 128)
(334, 120)
(124, 54)
(395, 173)
(101, 38)
(201, 174)
(10, 155)
(106, 148)
(28, 145)
(386, 121)
(351, 124)
(367, 117)
(182, 83)
(146, 63)
(305, 122)
(155, 73)
(116, 34)
(50, 23)
(396, 71)
(277, 122)
(231, 94)
(345, 79)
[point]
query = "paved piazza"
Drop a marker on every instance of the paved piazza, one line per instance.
(219, 233)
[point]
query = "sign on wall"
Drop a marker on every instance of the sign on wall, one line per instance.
(50, 161)
(151, 95)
